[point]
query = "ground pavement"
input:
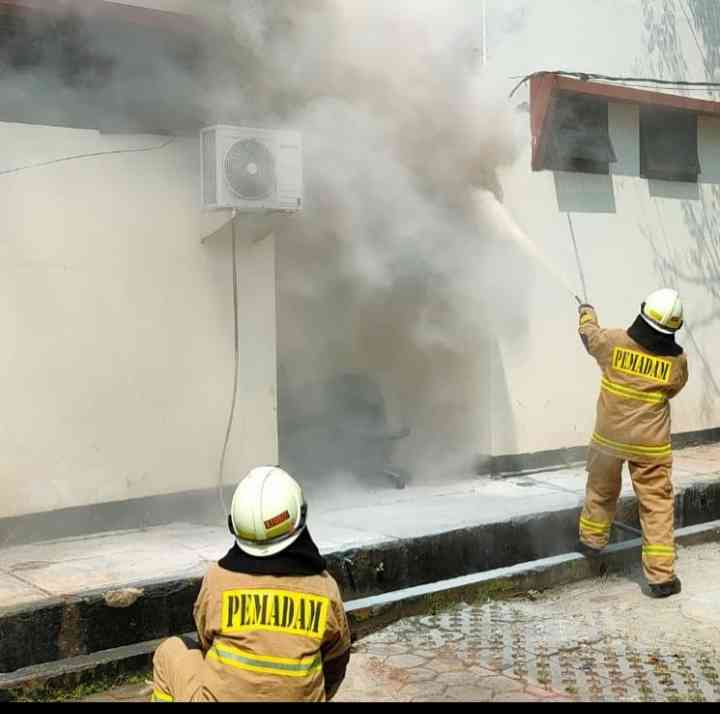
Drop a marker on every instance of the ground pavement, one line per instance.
(601, 639)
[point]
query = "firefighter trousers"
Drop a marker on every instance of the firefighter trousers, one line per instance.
(177, 666)
(654, 491)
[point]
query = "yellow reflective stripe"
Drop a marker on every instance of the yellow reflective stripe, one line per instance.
(625, 395)
(630, 393)
(587, 317)
(160, 696)
(594, 531)
(631, 390)
(594, 527)
(282, 666)
(632, 449)
(659, 550)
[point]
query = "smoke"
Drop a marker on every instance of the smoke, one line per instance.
(73, 69)
(397, 280)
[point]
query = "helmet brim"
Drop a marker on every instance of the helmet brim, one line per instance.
(658, 328)
(265, 551)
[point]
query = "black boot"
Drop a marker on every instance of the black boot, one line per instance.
(587, 551)
(661, 590)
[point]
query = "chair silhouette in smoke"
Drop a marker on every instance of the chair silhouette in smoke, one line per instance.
(341, 426)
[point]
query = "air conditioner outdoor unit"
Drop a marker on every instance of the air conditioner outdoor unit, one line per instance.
(251, 170)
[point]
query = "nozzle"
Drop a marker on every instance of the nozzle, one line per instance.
(579, 301)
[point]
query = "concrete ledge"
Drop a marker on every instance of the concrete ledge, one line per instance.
(55, 629)
(369, 614)
(60, 628)
(67, 674)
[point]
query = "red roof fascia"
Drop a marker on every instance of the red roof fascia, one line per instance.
(542, 89)
(630, 95)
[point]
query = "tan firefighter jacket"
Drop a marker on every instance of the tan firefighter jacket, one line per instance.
(633, 411)
(271, 638)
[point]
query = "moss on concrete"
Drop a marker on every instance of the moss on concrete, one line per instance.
(89, 684)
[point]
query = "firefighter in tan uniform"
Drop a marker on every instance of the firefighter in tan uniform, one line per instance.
(270, 620)
(643, 368)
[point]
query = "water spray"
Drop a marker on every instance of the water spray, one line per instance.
(511, 230)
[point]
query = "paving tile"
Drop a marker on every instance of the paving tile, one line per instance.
(503, 685)
(406, 661)
(420, 690)
(471, 694)
(516, 697)
(381, 650)
(421, 675)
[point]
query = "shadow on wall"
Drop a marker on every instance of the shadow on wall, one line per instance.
(584, 193)
(698, 266)
(595, 193)
(592, 193)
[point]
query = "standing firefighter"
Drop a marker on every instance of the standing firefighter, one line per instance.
(270, 620)
(642, 369)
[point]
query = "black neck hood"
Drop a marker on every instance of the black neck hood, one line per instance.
(302, 558)
(654, 341)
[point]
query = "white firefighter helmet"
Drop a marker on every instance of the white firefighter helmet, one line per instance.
(663, 311)
(268, 512)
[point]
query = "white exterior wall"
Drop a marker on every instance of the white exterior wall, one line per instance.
(117, 366)
(118, 351)
(626, 228)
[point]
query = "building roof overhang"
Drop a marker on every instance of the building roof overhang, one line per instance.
(544, 86)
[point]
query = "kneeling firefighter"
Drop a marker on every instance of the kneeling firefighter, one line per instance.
(270, 620)
(642, 369)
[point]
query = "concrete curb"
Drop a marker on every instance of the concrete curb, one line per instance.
(66, 675)
(369, 614)
(62, 628)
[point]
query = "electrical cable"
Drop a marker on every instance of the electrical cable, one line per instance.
(587, 76)
(86, 156)
(221, 469)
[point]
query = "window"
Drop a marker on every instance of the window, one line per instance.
(669, 145)
(100, 73)
(579, 138)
